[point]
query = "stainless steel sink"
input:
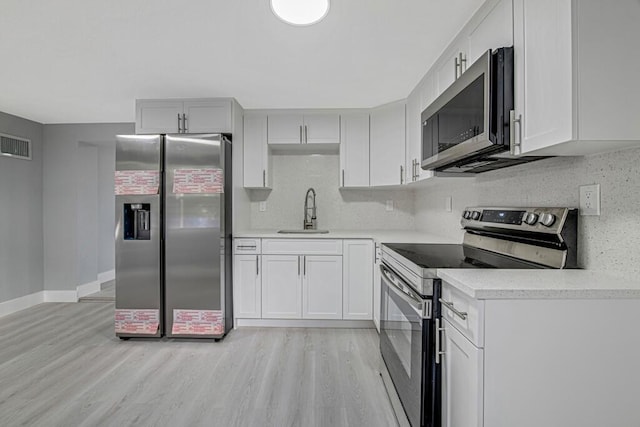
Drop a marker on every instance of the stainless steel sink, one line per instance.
(301, 231)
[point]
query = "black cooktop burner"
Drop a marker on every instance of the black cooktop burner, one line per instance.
(455, 256)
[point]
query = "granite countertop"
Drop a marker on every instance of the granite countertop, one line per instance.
(540, 284)
(380, 236)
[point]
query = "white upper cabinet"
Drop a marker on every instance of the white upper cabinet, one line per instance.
(387, 149)
(295, 128)
(418, 100)
(452, 64)
(207, 116)
(493, 31)
(576, 64)
(183, 116)
(158, 116)
(354, 150)
(255, 153)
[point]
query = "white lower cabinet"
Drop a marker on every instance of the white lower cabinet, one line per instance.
(462, 380)
(281, 287)
(247, 287)
(321, 287)
(305, 279)
(357, 299)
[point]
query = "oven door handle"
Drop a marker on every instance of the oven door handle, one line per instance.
(420, 306)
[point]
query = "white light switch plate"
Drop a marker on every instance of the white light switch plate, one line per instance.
(590, 200)
(389, 206)
(263, 206)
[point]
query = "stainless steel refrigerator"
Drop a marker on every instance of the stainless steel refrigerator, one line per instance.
(173, 236)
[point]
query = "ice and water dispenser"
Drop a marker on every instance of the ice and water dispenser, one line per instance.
(137, 221)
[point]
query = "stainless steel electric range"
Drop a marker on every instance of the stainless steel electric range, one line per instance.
(508, 238)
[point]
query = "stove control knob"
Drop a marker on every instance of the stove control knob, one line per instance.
(530, 218)
(547, 219)
(465, 214)
(475, 215)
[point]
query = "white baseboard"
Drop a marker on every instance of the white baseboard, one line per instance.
(88, 288)
(107, 276)
(21, 303)
(60, 296)
(303, 323)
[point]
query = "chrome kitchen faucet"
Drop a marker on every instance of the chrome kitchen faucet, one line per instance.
(310, 221)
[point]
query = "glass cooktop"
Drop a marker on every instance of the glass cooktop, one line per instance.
(433, 256)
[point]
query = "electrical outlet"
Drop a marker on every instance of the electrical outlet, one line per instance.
(389, 206)
(447, 204)
(590, 200)
(263, 206)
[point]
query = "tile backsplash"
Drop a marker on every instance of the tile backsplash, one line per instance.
(336, 209)
(608, 242)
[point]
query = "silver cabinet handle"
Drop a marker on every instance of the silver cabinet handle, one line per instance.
(184, 123)
(299, 265)
(401, 174)
(306, 135)
(455, 68)
(343, 177)
(438, 343)
(304, 265)
(257, 266)
(264, 177)
(463, 60)
(512, 133)
(179, 124)
(253, 248)
(449, 305)
(301, 135)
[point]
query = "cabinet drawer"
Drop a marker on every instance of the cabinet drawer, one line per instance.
(472, 326)
(302, 246)
(246, 246)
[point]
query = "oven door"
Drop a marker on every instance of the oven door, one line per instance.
(405, 340)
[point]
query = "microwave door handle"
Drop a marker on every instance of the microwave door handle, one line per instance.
(416, 304)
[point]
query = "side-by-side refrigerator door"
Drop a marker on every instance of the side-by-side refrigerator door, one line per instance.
(194, 236)
(138, 178)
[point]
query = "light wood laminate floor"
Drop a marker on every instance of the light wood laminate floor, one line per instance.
(61, 365)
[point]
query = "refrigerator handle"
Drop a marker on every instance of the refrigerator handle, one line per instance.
(179, 124)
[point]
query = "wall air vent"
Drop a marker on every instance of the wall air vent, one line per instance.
(14, 146)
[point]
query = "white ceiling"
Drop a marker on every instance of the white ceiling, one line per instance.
(83, 61)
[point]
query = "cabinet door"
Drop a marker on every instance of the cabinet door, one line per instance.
(543, 72)
(158, 116)
(247, 292)
(387, 145)
(354, 150)
(494, 31)
(321, 129)
(208, 116)
(322, 287)
(357, 280)
(281, 287)
(462, 380)
(285, 129)
(453, 64)
(414, 135)
(255, 156)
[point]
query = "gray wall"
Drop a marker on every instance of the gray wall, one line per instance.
(87, 213)
(21, 233)
(609, 242)
(106, 208)
(62, 195)
(337, 209)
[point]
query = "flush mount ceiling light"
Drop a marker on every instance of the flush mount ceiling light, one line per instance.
(300, 12)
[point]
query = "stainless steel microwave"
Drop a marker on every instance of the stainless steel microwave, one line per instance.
(468, 127)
